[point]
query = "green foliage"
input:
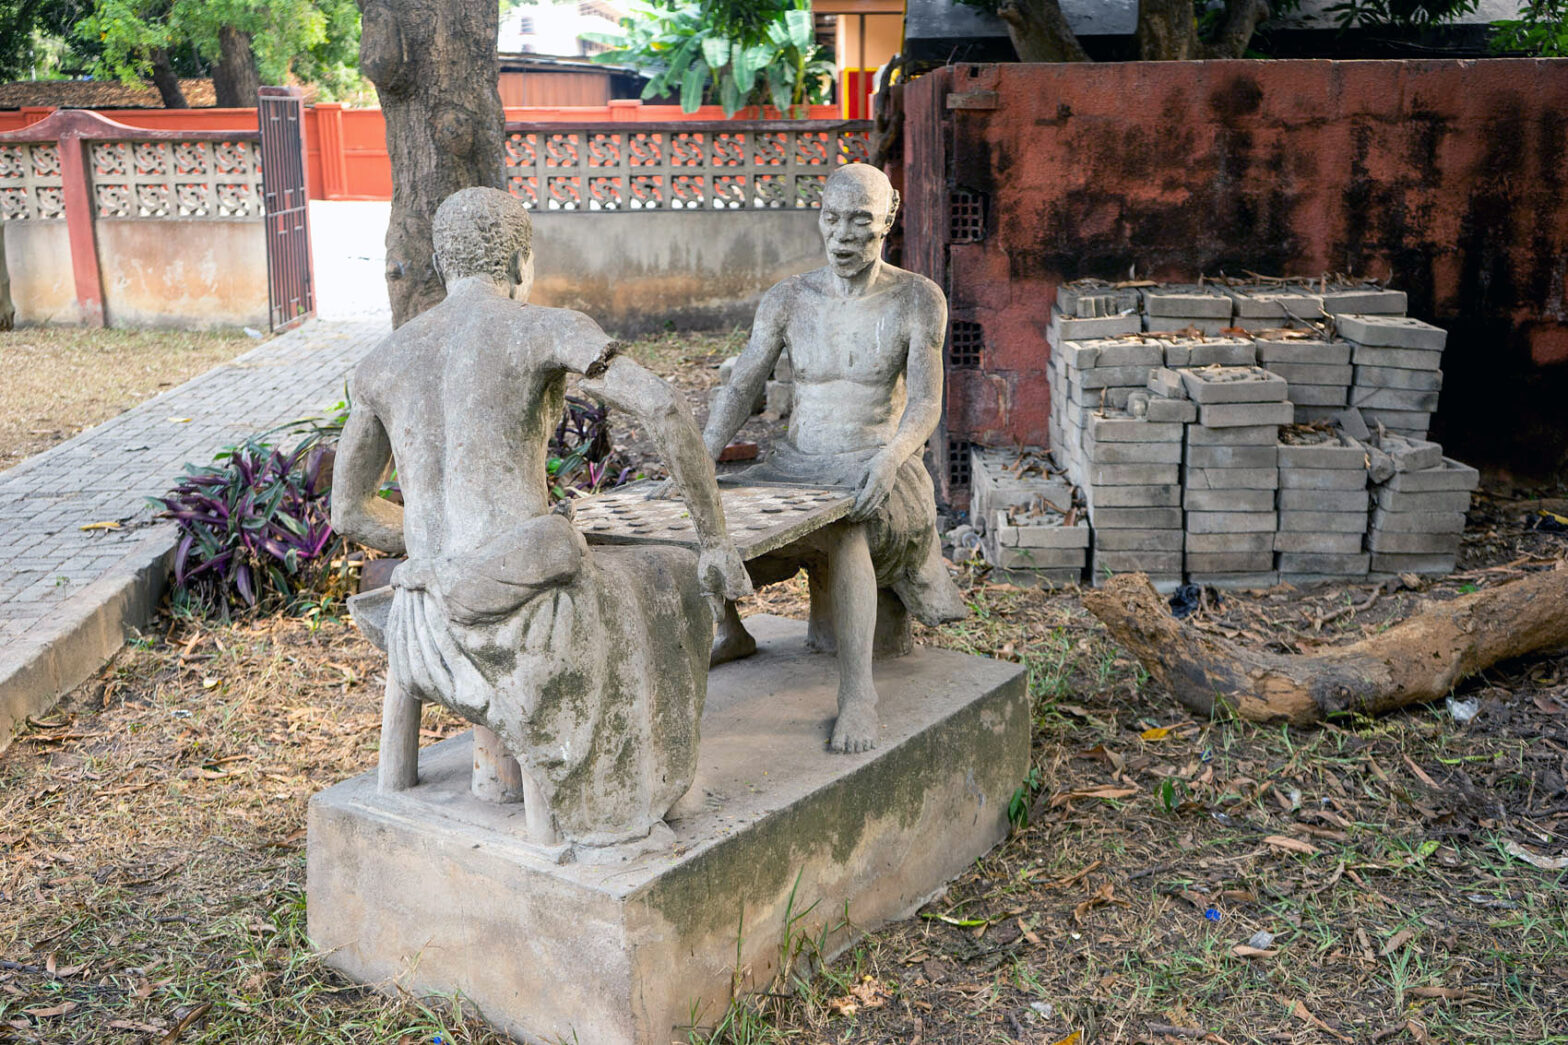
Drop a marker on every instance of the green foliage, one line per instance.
(734, 53)
(1399, 14)
(1542, 28)
(34, 38)
(312, 40)
(1018, 806)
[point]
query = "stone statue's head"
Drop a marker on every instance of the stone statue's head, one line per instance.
(484, 232)
(858, 207)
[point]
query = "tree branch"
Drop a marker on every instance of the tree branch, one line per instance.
(1242, 18)
(1040, 32)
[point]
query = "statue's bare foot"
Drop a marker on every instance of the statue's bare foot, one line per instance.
(856, 728)
(731, 645)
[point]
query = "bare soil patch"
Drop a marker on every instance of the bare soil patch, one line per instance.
(152, 848)
(57, 381)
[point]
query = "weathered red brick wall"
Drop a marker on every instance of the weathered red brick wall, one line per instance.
(1445, 178)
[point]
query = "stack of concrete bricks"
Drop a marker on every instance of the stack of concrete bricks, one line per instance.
(1085, 310)
(1231, 474)
(1031, 530)
(1318, 372)
(1361, 299)
(1097, 375)
(1398, 373)
(1206, 309)
(1132, 489)
(1322, 506)
(1418, 516)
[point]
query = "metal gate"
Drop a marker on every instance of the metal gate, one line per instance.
(291, 292)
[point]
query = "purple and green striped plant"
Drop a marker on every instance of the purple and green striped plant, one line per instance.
(254, 528)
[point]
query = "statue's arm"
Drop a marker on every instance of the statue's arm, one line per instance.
(625, 385)
(923, 400)
(732, 406)
(358, 512)
(923, 375)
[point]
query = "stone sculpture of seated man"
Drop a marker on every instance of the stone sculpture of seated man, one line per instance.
(589, 666)
(865, 340)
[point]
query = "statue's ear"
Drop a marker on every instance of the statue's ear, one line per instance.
(892, 207)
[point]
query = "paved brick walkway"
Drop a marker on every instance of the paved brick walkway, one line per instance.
(107, 472)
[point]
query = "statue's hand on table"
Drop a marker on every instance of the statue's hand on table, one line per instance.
(874, 488)
(722, 572)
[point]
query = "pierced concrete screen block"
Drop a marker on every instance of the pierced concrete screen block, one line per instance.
(958, 467)
(965, 344)
(966, 216)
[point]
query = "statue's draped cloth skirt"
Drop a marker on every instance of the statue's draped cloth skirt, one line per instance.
(595, 685)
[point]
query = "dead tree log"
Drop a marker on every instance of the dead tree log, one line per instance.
(1417, 660)
(434, 66)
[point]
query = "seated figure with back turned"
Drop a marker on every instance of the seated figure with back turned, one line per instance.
(865, 341)
(589, 668)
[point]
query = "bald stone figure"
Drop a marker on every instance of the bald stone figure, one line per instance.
(865, 340)
(585, 670)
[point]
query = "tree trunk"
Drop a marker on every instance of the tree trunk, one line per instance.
(166, 81)
(1417, 660)
(1167, 31)
(235, 79)
(1241, 21)
(1040, 32)
(434, 66)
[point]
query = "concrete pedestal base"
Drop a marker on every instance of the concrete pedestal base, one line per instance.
(431, 891)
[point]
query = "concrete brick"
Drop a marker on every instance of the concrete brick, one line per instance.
(1400, 422)
(1187, 301)
(1181, 411)
(1161, 495)
(1269, 302)
(1076, 355)
(1131, 474)
(1130, 430)
(1241, 435)
(1366, 302)
(1417, 543)
(1170, 324)
(1391, 332)
(1435, 501)
(1018, 533)
(1312, 373)
(1131, 353)
(1317, 353)
(1227, 352)
(1319, 395)
(1166, 382)
(1132, 453)
(1395, 358)
(1231, 522)
(1015, 558)
(1322, 455)
(1439, 563)
(1233, 385)
(1393, 399)
(1318, 543)
(1295, 521)
(1417, 522)
(1239, 415)
(1231, 478)
(1078, 328)
(1237, 581)
(1412, 455)
(1347, 564)
(1322, 479)
(1038, 578)
(1324, 501)
(1131, 562)
(1270, 327)
(1228, 500)
(1138, 540)
(1230, 542)
(1394, 377)
(1229, 562)
(1094, 297)
(1098, 377)
(1136, 518)
(1232, 456)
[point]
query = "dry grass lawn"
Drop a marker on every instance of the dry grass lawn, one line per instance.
(57, 381)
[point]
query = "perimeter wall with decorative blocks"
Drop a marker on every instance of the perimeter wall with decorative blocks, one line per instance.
(1444, 179)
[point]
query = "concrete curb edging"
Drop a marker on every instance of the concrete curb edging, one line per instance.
(75, 640)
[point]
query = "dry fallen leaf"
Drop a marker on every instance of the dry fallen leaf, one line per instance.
(107, 524)
(1295, 845)
(1105, 791)
(1242, 950)
(1545, 863)
(1396, 941)
(1299, 1010)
